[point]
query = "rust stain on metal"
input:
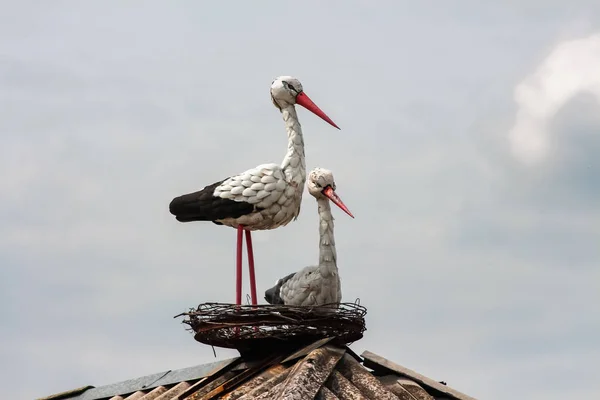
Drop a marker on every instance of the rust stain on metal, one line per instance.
(254, 383)
(247, 374)
(266, 387)
(369, 386)
(343, 388)
(210, 386)
(211, 376)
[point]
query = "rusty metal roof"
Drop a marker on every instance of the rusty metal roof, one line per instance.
(318, 371)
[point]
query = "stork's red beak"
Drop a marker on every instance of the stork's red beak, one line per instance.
(305, 101)
(332, 195)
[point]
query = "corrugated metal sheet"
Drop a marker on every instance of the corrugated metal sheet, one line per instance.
(317, 371)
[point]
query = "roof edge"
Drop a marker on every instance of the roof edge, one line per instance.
(67, 394)
(373, 360)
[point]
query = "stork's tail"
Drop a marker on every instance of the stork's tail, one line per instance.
(205, 206)
(273, 295)
(191, 207)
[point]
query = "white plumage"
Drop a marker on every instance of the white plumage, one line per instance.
(276, 200)
(315, 285)
(265, 197)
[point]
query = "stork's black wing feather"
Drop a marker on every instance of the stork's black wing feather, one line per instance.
(203, 206)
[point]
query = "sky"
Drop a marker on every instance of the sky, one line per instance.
(467, 152)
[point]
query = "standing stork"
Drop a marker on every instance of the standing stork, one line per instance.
(315, 285)
(265, 197)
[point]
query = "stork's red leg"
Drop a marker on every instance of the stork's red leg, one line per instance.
(251, 267)
(238, 266)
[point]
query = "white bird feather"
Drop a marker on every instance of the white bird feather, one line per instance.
(321, 284)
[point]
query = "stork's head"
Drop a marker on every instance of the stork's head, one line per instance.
(322, 185)
(287, 91)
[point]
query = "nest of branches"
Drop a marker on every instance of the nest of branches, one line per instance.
(244, 326)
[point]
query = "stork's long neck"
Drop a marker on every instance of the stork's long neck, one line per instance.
(294, 164)
(327, 254)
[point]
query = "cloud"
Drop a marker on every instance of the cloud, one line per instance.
(570, 68)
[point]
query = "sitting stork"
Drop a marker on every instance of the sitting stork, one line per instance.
(265, 197)
(315, 285)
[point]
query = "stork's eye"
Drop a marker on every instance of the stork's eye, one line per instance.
(289, 87)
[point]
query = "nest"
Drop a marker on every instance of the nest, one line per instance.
(255, 326)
